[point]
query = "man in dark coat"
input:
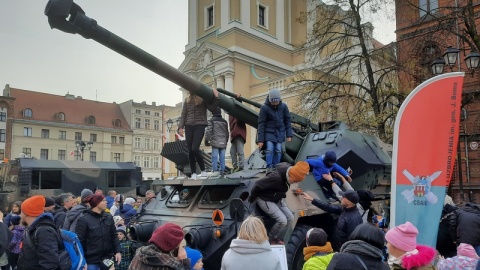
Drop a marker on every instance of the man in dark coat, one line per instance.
(65, 202)
(40, 246)
(270, 191)
(349, 217)
(465, 226)
(273, 126)
(97, 233)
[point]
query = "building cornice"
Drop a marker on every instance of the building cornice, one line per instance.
(72, 126)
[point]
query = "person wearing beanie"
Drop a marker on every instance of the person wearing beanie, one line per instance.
(348, 216)
(127, 249)
(269, 194)
(195, 256)
(274, 125)
(251, 250)
(49, 205)
(166, 250)
(127, 211)
(318, 253)
(363, 250)
(95, 228)
(39, 252)
(194, 120)
(466, 259)
(323, 168)
(216, 135)
(77, 211)
(403, 250)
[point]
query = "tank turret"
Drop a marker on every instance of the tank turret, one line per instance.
(211, 209)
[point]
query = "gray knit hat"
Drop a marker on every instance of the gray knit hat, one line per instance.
(85, 193)
(274, 95)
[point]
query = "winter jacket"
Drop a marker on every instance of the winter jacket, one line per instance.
(110, 201)
(128, 251)
(457, 262)
(317, 257)
(14, 246)
(60, 216)
(195, 115)
(273, 187)
(98, 236)
(348, 220)
(244, 254)
(216, 133)
(445, 243)
(465, 225)
(274, 123)
(319, 168)
(127, 212)
(5, 235)
(151, 258)
(73, 215)
(420, 261)
(352, 251)
(7, 219)
(237, 128)
(41, 252)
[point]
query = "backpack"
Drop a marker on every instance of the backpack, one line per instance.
(70, 255)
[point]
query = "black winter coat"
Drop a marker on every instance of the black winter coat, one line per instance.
(274, 123)
(196, 115)
(60, 216)
(273, 187)
(41, 253)
(465, 225)
(348, 220)
(98, 236)
(366, 253)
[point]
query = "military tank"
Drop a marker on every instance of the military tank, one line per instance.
(211, 209)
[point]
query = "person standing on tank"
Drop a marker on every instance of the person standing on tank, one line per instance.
(193, 121)
(274, 125)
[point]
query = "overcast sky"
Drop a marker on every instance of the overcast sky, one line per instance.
(35, 57)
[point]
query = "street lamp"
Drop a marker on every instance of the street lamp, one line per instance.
(450, 56)
(437, 66)
(472, 60)
(81, 146)
(169, 124)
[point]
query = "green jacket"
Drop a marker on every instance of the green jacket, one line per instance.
(319, 262)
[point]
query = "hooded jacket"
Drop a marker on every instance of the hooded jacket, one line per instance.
(465, 225)
(274, 123)
(420, 261)
(273, 187)
(457, 262)
(319, 168)
(216, 132)
(72, 217)
(151, 258)
(348, 220)
(347, 257)
(41, 253)
(195, 115)
(127, 212)
(244, 254)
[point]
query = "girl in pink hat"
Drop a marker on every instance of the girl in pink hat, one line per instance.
(466, 259)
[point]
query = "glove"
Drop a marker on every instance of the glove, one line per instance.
(251, 199)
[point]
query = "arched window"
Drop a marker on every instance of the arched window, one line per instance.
(117, 123)
(27, 112)
(61, 116)
(91, 120)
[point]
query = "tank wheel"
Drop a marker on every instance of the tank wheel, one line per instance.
(295, 245)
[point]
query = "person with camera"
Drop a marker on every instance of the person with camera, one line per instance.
(98, 235)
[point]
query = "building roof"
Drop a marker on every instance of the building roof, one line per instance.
(47, 107)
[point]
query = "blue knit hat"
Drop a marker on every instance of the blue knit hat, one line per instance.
(194, 256)
(330, 156)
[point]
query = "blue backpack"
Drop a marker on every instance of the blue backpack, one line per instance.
(71, 255)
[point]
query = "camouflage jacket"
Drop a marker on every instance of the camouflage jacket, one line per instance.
(151, 258)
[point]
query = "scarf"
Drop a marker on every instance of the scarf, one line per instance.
(308, 252)
(361, 248)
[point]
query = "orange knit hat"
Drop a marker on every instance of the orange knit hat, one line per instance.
(297, 172)
(33, 206)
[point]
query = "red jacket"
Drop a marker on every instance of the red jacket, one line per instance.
(237, 128)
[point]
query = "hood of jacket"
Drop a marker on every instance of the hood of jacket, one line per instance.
(424, 257)
(248, 247)
(75, 211)
(126, 208)
(151, 256)
(42, 217)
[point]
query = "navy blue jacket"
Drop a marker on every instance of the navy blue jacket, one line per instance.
(274, 123)
(348, 220)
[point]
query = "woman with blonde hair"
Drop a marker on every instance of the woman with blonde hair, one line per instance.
(194, 120)
(251, 249)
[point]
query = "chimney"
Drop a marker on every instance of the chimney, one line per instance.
(6, 91)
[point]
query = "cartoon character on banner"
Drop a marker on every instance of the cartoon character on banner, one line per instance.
(421, 187)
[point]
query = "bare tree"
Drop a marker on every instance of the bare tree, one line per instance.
(348, 75)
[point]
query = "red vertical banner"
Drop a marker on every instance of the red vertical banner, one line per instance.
(424, 149)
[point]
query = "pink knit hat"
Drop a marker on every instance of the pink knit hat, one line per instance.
(403, 237)
(466, 250)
